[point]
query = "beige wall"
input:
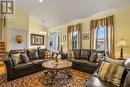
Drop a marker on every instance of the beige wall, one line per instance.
(23, 21)
(34, 28)
(122, 28)
(19, 21)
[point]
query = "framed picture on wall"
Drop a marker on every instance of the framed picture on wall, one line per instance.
(37, 39)
(85, 36)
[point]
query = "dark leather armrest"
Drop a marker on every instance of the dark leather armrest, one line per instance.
(127, 80)
(9, 64)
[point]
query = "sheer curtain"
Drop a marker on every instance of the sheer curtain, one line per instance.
(108, 25)
(71, 31)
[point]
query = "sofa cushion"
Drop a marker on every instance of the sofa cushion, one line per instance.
(22, 66)
(96, 82)
(84, 63)
(16, 58)
(24, 57)
(93, 51)
(32, 54)
(85, 54)
(111, 73)
(16, 52)
(77, 53)
(70, 55)
(41, 53)
(48, 54)
(38, 61)
(93, 57)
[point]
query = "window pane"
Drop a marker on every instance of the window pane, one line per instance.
(74, 39)
(100, 38)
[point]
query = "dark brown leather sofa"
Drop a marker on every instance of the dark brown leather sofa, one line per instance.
(94, 81)
(34, 64)
(81, 60)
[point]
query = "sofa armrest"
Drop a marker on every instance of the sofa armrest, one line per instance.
(9, 65)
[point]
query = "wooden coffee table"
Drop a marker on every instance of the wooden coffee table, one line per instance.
(57, 72)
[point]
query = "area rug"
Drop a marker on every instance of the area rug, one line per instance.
(36, 80)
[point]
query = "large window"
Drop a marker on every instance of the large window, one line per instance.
(74, 39)
(100, 38)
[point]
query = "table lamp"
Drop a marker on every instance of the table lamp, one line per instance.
(122, 43)
(61, 44)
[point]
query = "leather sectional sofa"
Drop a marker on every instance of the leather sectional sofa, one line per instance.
(82, 60)
(34, 64)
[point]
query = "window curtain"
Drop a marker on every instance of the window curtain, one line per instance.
(70, 30)
(108, 25)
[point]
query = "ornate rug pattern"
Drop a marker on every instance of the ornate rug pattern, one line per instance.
(36, 80)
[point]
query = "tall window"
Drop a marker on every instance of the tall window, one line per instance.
(100, 38)
(74, 39)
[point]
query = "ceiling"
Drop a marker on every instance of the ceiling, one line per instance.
(56, 12)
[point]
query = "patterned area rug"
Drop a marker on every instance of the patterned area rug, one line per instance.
(36, 80)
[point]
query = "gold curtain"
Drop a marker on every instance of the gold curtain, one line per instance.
(108, 24)
(71, 29)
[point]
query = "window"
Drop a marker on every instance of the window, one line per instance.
(54, 41)
(100, 38)
(74, 39)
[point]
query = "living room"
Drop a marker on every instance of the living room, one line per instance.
(46, 43)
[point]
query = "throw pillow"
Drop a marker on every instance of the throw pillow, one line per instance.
(32, 54)
(115, 61)
(111, 73)
(41, 53)
(85, 54)
(24, 57)
(77, 53)
(93, 57)
(70, 55)
(16, 58)
(48, 54)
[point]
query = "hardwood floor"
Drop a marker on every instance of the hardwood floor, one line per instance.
(2, 69)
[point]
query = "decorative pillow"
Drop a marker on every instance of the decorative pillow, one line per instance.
(115, 61)
(16, 58)
(41, 53)
(32, 54)
(48, 54)
(93, 51)
(93, 57)
(111, 73)
(100, 57)
(55, 55)
(24, 57)
(85, 54)
(77, 53)
(70, 55)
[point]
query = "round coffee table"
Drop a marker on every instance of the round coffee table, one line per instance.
(57, 72)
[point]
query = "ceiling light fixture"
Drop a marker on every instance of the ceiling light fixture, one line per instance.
(40, 1)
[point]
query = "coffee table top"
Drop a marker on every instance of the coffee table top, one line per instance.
(61, 64)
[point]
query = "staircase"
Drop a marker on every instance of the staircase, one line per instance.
(2, 51)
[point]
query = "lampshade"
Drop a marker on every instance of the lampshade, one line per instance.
(62, 44)
(122, 43)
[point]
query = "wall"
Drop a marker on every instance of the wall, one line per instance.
(34, 28)
(20, 21)
(122, 28)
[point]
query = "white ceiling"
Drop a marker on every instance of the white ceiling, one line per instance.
(55, 12)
